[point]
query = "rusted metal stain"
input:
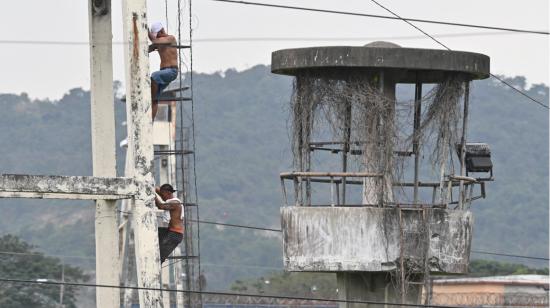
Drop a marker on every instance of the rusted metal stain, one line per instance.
(136, 36)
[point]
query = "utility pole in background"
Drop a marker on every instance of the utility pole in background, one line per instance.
(103, 149)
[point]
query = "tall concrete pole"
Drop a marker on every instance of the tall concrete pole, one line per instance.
(103, 150)
(140, 134)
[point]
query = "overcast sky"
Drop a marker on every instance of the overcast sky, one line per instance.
(44, 70)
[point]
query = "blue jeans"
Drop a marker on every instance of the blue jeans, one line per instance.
(163, 78)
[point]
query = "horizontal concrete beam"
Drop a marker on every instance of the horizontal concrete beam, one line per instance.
(66, 187)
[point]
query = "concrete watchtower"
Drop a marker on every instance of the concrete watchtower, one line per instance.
(381, 234)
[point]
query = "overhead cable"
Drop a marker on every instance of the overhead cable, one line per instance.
(509, 255)
(279, 230)
(408, 21)
(385, 17)
(445, 46)
(266, 39)
(76, 284)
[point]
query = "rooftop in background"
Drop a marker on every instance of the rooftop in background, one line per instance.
(506, 280)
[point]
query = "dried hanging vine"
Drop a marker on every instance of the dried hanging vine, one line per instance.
(356, 109)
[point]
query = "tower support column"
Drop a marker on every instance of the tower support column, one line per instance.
(372, 287)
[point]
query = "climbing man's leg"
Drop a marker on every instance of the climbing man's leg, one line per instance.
(159, 82)
(168, 243)
(154, 97)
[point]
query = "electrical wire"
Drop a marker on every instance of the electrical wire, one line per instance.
(445, 46)
(280, 230)
(332, 300)
(408, 21)
(39, 254)
(266, 39)
(194, 139)
(236, 226)
(509, 255)
(385, 17)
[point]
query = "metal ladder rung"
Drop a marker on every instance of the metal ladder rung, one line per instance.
(173, 99)
(168, 45)
(171, 90)
(181, 257)
(173, 152)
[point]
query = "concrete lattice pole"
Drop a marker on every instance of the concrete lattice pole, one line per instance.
(103, 150)
(140, 132)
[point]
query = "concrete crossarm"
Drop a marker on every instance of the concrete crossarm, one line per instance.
(66, 187)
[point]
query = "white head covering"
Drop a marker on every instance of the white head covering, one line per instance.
(156, 27)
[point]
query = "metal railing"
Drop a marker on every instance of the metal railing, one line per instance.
(336, 179)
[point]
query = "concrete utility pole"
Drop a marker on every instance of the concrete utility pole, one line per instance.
(140, 136)
(103, 149)
(104, 186)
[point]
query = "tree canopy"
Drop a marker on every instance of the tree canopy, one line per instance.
(19, 260)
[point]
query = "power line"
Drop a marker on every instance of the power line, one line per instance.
(248, 265)
(332, 300)
(519, 91)
(236, 226)
(385, 17)
(408, 21)
(206, 222)
(509, 255)
(280, 230)
(39, 254)
(265, 39)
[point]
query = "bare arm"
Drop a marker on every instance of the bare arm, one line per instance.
(173, 205)
(166, 40)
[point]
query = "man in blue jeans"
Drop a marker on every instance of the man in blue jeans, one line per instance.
(164, 45)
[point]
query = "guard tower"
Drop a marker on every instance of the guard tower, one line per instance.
(374, 220)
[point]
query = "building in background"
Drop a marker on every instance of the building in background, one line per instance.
(510, 291)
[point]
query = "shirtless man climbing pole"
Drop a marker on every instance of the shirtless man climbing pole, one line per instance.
(164, 44)
(169, 238)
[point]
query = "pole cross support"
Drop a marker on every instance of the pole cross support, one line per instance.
(66, 187)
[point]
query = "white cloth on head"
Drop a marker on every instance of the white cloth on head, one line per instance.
(156, 27)
(166, 214)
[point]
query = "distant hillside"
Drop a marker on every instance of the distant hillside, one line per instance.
(242, 145)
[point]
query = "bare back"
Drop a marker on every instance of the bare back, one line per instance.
(175, 218)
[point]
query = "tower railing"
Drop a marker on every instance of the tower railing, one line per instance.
(336, 179)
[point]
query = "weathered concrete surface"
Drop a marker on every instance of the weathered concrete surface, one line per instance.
(406, 64)
(103, 149)
(140, 136)
(66, 187)
(365, 239)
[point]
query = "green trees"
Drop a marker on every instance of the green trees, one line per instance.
(481, 268)
(18, 260)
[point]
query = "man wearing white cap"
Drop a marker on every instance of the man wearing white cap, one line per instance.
(164, 44)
